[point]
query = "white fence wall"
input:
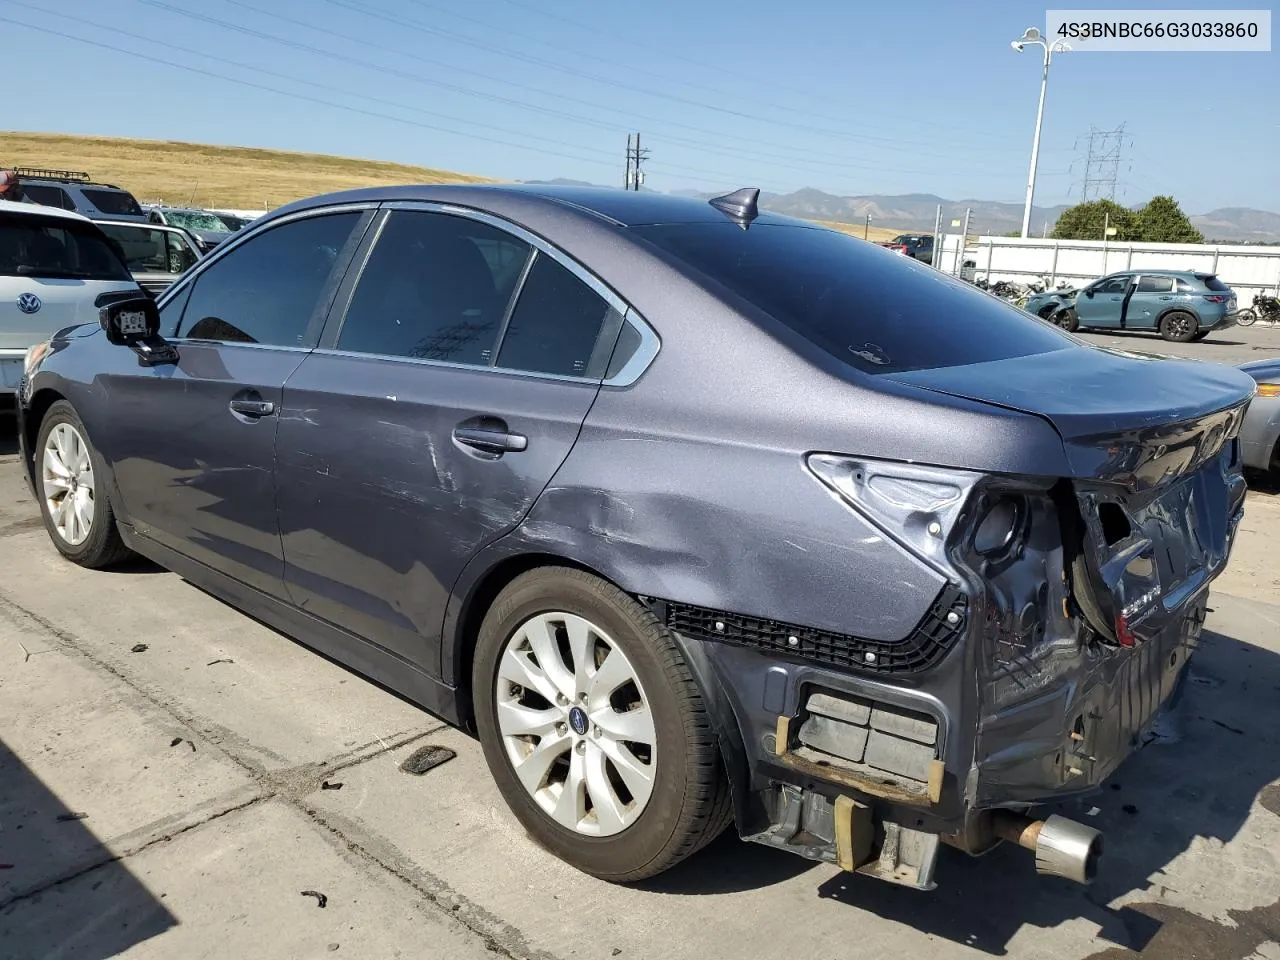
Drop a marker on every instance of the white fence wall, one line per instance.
(1247, 270)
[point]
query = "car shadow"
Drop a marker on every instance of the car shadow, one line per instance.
(63, 893)
(1151, 335)
(8, 433)
(1157, 805)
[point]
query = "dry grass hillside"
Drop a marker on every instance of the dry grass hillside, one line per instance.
(239, 178)
(233, 177)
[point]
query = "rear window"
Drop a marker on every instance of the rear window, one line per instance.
(113, 201)
(56, 248)
(877, 313)
(1212, 282)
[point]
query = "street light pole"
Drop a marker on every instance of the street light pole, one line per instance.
(1032, 37)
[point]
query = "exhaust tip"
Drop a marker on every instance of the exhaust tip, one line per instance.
(1065, 848)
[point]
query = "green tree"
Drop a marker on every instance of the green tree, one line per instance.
(1088, 221)
(1162, 221)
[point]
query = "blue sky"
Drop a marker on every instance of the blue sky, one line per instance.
(851, 98)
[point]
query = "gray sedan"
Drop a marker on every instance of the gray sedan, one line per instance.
(1260, 432)
(696, 514)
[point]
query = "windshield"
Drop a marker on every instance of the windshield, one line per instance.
(877, 312)
(195, 220)
(55, 247)
(113, 201)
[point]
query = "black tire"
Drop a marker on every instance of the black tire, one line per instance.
(1197, 337)
(1178, 326)
(690, 804)
(1066, 318)
(103, 546)
(1246, 318)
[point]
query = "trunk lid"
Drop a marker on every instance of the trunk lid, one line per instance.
(1155, 472)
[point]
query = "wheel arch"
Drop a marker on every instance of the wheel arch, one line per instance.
(32, 417)
(471, 601)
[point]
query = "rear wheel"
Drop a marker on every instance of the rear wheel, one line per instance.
(73, 498)
(1200, 335)
(1246, 317)
(594, 728)
(1178, 326)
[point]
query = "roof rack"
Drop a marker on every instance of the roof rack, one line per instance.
(47, 174)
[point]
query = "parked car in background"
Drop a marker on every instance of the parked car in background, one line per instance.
(1180, 305)
(72, 190)
(56, 268)
(233, 221)
(866, 586)
(156, 255)
(1260, 432)
(918, 246)
(208, 228)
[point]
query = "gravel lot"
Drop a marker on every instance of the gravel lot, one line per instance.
(171, 802)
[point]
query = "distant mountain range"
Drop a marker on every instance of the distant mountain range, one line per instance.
(916, 211)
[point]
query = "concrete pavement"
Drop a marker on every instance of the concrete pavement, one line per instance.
(200, 764)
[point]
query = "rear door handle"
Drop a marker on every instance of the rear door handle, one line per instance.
(253, 408)
(1166, 298)
(490, 441)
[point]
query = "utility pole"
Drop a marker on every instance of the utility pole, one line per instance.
(635, 157)
(866, 229)
(1102, 164)
(626, 183)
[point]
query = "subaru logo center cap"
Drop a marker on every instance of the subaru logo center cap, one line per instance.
(28, 303)
(578, 720)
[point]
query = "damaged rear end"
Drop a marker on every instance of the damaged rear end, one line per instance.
(1073, 604)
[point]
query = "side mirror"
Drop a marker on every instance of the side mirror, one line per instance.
(131, 321)
(135, 323)
(1088, 292)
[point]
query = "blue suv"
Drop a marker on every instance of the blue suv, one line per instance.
(1180, 305)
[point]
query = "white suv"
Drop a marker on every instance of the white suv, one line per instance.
(55, 267)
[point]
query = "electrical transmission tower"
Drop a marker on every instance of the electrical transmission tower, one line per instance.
(635, 157)
(1102, 164)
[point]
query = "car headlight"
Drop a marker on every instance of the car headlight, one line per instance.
(34, 355)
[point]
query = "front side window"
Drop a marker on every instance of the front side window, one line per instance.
(880, 314)
(435, 287)
(1155, 285)
(555, 325)
(1112, 285)
(56, 247)
(269, 289)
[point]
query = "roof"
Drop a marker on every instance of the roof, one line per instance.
(618, 206)
(1149, 271)
(40, 210)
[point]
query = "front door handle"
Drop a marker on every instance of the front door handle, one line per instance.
(253, 408)
(1166, 298)
(490, 440)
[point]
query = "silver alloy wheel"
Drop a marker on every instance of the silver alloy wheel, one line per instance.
(575, 723)
(67, 483)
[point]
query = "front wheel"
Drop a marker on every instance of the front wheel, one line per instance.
(593, 727)
(1178, 327)
(1066, 318)
(1197, 337)
(1246, 318)
(70, 479)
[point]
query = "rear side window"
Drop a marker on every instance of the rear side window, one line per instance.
(876, 312)
(58, 248)
(268, 289)
(150, 251)
(1155, 285)
(113, 201)
(1213, 283)
(556, 323)
(435, 287)
(49, 196)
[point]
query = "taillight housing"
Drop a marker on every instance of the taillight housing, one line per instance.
(1215, 298)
